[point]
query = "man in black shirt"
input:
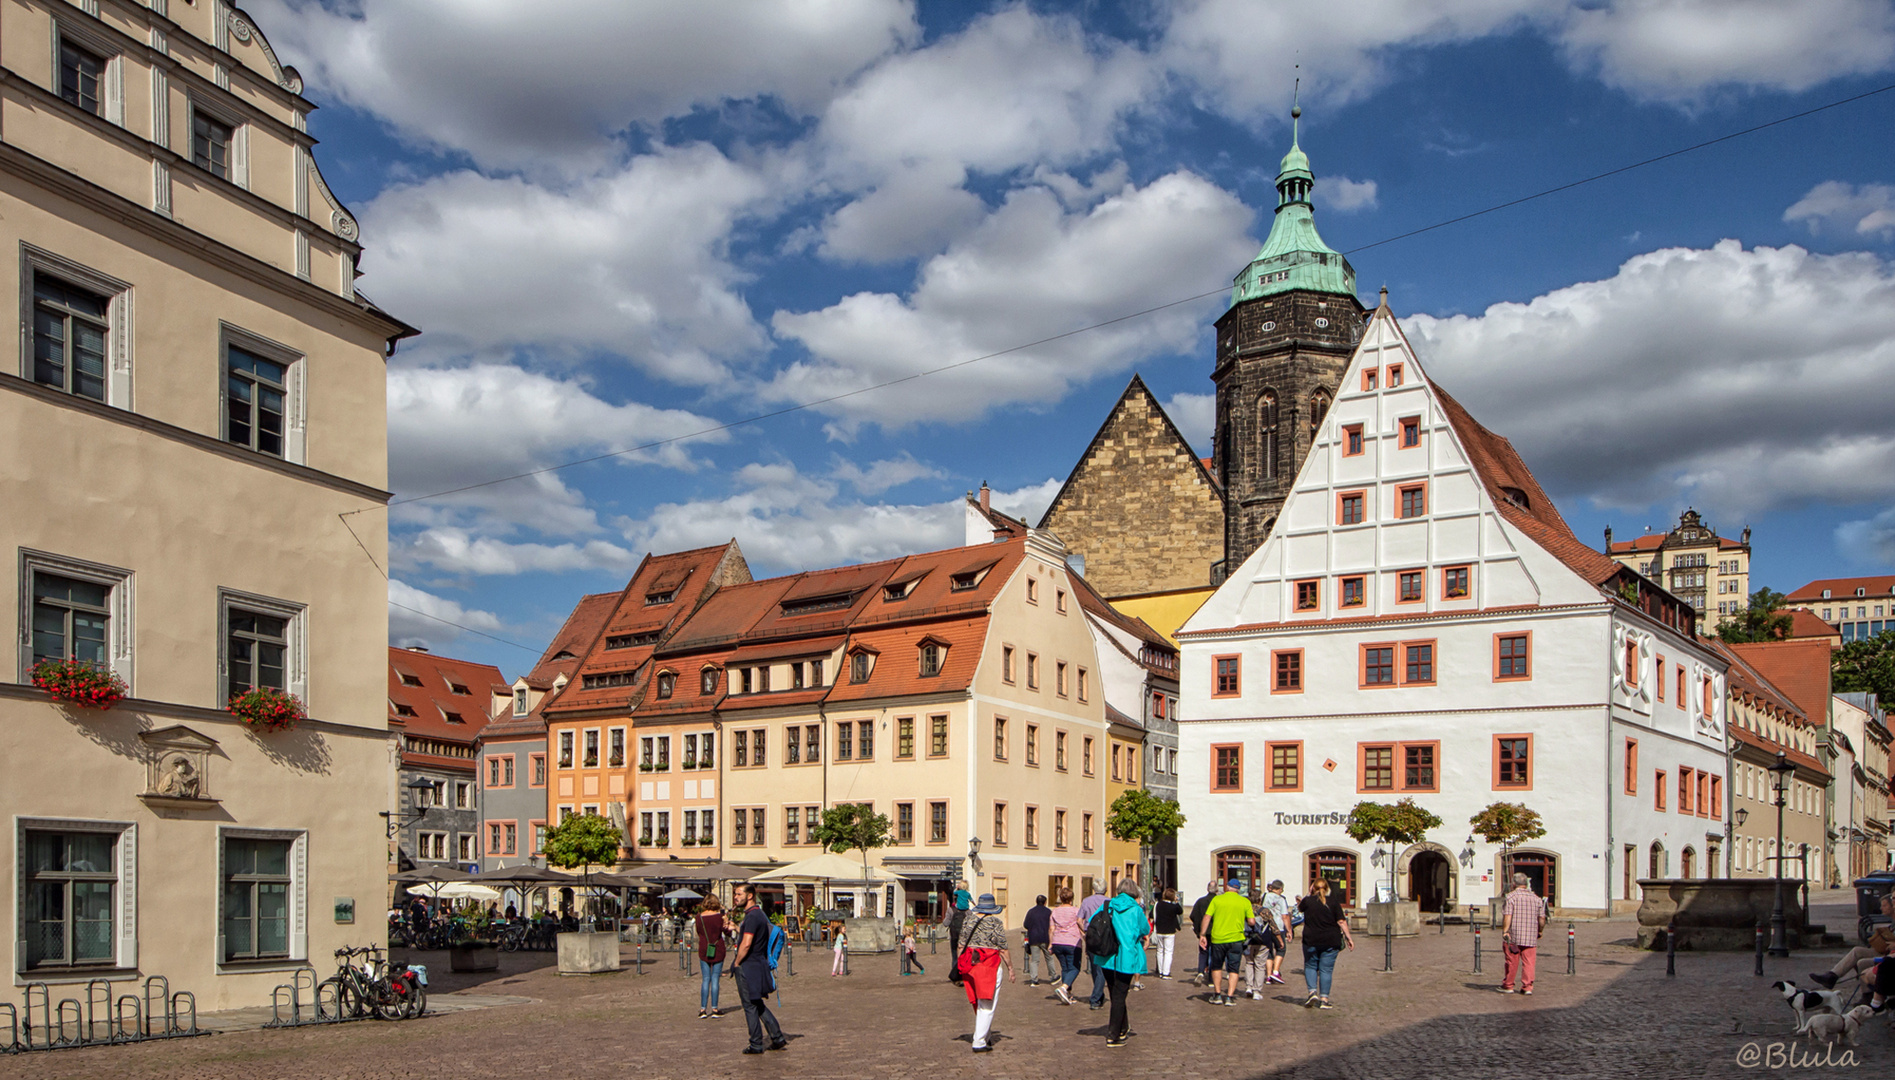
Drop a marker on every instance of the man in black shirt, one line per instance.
(1198, 930)
(754, 980)
(1037, 935)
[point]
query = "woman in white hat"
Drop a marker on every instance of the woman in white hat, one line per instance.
(983, 955)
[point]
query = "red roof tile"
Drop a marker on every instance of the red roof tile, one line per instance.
(1807, 624)
(436, 696)
(1845, 589)
(897, 668)
(1798, 668)
(1746, 679)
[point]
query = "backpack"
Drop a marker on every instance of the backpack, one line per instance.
(773, 948)
(1102, 938)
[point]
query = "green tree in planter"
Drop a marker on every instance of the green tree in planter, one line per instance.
(1405, 822)
(1509, 825)
(852, 827)
(583, 841)
(1141, 816)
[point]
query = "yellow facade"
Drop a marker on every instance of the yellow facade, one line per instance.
(1164, 612)
(155, 273)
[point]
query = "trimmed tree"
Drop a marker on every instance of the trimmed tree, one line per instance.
(1405, 822)
(852, 827)
(1509, 825)
(583, 841)
(1139, 815)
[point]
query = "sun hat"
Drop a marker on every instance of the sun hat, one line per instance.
(986, 906)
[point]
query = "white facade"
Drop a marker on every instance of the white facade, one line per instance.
(1476, 565)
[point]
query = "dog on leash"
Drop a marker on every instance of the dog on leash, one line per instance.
(1830, 1028)
(1808, 1003)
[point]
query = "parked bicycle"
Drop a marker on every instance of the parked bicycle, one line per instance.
(374, 987)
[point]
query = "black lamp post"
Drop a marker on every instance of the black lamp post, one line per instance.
(1780, 778)
(400, 819)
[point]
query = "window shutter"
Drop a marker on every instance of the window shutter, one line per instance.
(127, 899)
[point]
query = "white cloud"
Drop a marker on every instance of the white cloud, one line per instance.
(1740, 380)
(1196, 417)
(448, 428)
(1870, 541)
(1865, 211)
(409, 622)
(458, 551)
(550, 83)
(1343, 195)
(1030, 270)
(916, 211)
(1678, 50)
(1239, 56)
(631, 264)
(882, 475)
(788, 521)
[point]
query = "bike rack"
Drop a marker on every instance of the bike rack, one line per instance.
(120, 1033)
(78, 1020)
(98, 1000)
(45, 995)
(12, 1045)
(98, 1018)
(151, 1015)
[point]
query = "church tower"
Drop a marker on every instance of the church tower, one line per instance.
(1293, 323)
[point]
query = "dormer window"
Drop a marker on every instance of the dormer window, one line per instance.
(460, 688)
(1860, 591)
(564, 655)
(667, 684)
(1517, 497)
(452, 717)
(615, 678)
(405, 710)
(898, 591)
(814, 604)
(631, 641)
(653, 599)
(707, 681)
(963, 582)
(410, 680)
(859, 666)
(519, 701)
(932, 655)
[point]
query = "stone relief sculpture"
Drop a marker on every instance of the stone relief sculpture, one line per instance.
(177, 764)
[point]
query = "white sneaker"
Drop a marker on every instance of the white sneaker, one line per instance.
(1256, 995)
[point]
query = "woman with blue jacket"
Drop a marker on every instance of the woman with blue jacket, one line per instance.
(1128, 920)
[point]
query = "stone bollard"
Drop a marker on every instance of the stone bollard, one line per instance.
(1763, 936)
(1671, 949)
(1572, 951)
(1477, 949)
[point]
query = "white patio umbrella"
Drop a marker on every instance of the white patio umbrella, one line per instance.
(456, 890)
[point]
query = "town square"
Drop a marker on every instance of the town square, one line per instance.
(871, 537)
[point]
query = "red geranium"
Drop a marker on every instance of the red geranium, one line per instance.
(79, 683)
(265, 708)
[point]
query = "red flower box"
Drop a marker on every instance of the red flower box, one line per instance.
(79, 683)
(265, 708)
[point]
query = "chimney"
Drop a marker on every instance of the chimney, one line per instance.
(417, 648)
(986, 497)
(1608, 538)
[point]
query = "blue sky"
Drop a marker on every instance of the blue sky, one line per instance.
(627, 221)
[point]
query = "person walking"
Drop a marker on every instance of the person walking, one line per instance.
(1068, 936)
(712, 948)
(1167, 916)
(1089, 907)
(1325, 931)
(980, 966)
(1276, 907)
(1522, 918)
(1035, 938)
(962, 901)
(840, 965)
(755, 982)
(1225, 918)
(1197, 931)
(1132, 927)
(910, 956)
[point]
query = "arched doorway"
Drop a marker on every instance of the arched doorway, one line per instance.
(1542, 871)
(1242, 866)
(1430, 879)
(1339, 869)
(1657, 868)
(1687, 863)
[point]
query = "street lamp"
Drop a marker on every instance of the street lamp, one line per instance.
(1780, 779)
(1467, 853)
(973, 855)
(400, 819)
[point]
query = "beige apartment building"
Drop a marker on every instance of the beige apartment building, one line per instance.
(199, 393)
(1693, 563)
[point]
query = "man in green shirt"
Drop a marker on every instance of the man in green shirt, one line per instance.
(1228, 913)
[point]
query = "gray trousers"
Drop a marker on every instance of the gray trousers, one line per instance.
(1046, 965)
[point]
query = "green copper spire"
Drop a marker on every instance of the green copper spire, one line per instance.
(1294, 256)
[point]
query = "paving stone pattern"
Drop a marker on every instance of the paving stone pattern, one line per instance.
(1619, 1016)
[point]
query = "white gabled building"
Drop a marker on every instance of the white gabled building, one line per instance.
(1423, 623)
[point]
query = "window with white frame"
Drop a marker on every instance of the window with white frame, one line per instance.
(464, 847)
(261, 902)
(463, 795)
(262, 644)
(220, 143)
(79, 901)
(74, 610)
(263, 399)
(89, 73)
(80, 319)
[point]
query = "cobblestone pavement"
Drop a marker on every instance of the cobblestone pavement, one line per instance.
(1618, 1016)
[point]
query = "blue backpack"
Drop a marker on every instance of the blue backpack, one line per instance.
(773, 948)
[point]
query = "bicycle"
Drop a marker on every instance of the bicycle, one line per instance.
(374, 988)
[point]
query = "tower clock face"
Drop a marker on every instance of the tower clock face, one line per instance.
(1269, 326)
(1322, 324)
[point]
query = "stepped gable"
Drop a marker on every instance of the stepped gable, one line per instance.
(659, 598)
(1140, 505)
(434, 688)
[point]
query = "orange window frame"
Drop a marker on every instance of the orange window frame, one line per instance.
(1394, 376)
(1401, 765)
(1410, 428)
(1277, 670)
(1352, 436)
(1370, 378)
(1361, 498)
(1686, 786)
(1497, 785)
(1467, 590)
(1401, 494)
(1658, 789)
(1704, 792)
(536, 766)
(1270, 755)
(1236, 676)
(1631, 766)
(1659, 669)
(1361, 591)
(1717, 797)
(1362, 766)
(1235, 767)
(1314, 587)
(1434, 663)
(1420, 594)
(1528, 635)
(1680, 701)
(1362, 664)
(1631, 662)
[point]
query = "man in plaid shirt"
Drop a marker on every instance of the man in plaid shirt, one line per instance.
(1523, 919)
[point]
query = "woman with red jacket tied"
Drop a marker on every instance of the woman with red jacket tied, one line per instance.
(983, 955)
